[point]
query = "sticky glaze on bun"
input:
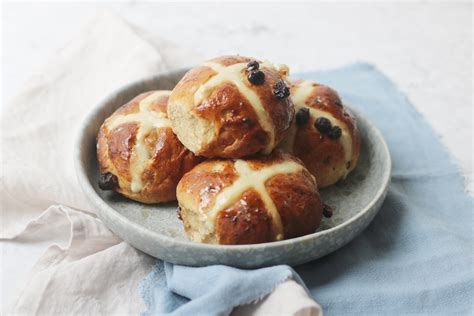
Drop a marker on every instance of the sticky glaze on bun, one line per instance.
(249, 201)
(323, 134)
(231, 107)
(138, 154)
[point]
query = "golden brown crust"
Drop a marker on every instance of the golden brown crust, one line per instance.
(188, 85)
(227, 112)
(238, 128)
(168, 161)
(248, 219)
(203, 182)
(319, 154)
(281, 111)
(120, 143)
(299, 207)
(245, 222)
(325, 157)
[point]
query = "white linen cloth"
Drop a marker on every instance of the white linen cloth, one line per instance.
(73, 275)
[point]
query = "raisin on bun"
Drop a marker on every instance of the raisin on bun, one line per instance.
(324, 134)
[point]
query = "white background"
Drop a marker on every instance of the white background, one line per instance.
(425, 48)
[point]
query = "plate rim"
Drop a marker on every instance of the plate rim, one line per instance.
(96, 201)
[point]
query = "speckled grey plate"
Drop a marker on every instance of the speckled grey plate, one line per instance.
(156, 230)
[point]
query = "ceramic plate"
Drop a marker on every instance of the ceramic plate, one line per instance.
(156, 229)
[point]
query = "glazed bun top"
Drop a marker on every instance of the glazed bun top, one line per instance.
(249, 201)
(334, 127)
(231, 106)
(138, 154)
(146, 115)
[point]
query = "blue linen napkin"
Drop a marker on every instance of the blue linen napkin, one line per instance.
(213, 290)
(415, 257)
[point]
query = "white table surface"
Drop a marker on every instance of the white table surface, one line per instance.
(425, 48)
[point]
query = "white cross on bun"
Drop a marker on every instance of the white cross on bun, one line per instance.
(231, 107)
(250, 201)
(138, 154)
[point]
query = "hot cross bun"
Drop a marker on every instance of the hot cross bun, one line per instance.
(249, 201)
(138, 154)
(323, 135)
(231, 107)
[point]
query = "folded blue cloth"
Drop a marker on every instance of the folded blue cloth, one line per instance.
(212, 290)
(415, 257)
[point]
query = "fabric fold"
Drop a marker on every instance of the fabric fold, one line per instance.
(215, 290)
(90, 273)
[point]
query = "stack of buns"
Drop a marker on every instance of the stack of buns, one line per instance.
(241, 147)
